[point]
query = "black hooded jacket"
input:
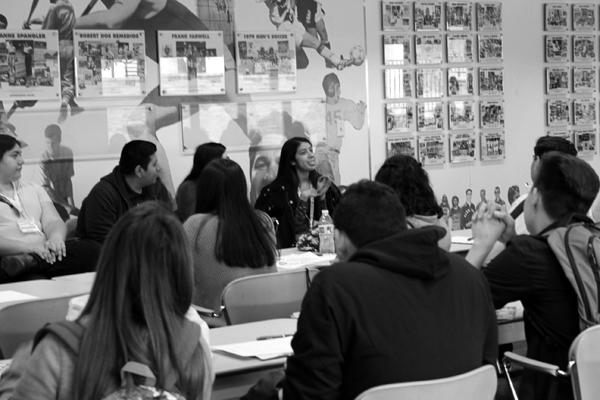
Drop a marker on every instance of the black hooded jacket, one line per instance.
(401, 309)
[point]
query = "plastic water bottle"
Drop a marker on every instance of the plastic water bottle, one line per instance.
(326, 241)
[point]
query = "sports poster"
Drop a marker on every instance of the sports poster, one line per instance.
(458, 16)
(558, 112)
(266, 62)
(399, 117)
(109, 63)
(584, 17)
(401, 145)
(191, 63)
(492, 146)
(462, 114)
(584, 79)
(459, 48)
(490, 47)
(460, 81)
(557, 48)
(432, 149)
(585, 141)
(430, 116)
(397, 15)
(397, 49)
(429, 49)
(428, 16)
(462, 147)
(29, 66)
(491, 113)
(429, 83)
(556, 17)
(399, 83)
(584, 112)
(584, 48)
(489, 16)
(557, 80)
(491, 81)
(209, 122)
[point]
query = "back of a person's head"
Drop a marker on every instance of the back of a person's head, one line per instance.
(567, 184)
(545, 144)
(222, 187)
(369, 211)
(134, 153)
(7, 143)
(204, 154)
(410, 181)
(136, 310)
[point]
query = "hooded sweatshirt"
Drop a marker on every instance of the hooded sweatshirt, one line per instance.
(401, 309)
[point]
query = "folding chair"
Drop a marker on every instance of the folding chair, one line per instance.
(583, 368)
(19, 322)
(479, 384)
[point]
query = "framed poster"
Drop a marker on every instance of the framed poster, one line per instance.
(458, 16)
(558, 112)
(29, 65)
(491, 81)
(432, 149)
(460, 81)
(585, 141)
(491, 113)
(212, 122)
(584, 79)
(397, 49)
(401, 145)
(584, 112)
(399, 83)
(428, 16)
(489, 16)
(396, 15)
(399, 117)
(110, 63)
(429, 49)
(429, 83)
(460, 48)
(191, 63)
(557, 48)
(461, 114)
(430, 116)
(584, 17)
(462, 147)
(557, 80)
(556, 17)
(584, 48)
(490, 47)
(492, 146)
(266, 62)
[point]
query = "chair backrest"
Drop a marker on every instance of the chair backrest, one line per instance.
(585, 364)
(479, 384)
(19, 322)
(265, 296)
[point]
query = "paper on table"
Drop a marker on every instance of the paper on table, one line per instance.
(462, 239)
(261, 349)
(304, 259)
(11, 295)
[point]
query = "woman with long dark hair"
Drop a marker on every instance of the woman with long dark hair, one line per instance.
(229, 238)
(186, 192)
(136, 312)
(298, 194)
(407, 177)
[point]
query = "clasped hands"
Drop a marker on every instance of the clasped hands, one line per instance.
(491, 223)
(323, 184)
(52, 250)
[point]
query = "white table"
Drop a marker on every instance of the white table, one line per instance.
(43, 289)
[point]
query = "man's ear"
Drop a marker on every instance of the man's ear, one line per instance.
(138, 171)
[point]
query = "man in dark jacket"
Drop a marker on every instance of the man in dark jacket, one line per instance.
(396, 308)
(132, 182)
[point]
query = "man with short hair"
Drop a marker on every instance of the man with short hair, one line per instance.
(57, 168)
(467, 210)
(527, 270)
(132, 182)
(395, 308)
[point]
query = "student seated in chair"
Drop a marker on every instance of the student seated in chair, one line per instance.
(396, 307)
(527, 270)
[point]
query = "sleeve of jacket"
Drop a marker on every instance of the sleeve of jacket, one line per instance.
(100, 213)
(315, 371)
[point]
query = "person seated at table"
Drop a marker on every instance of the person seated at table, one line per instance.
(297, 193)
(410, 181)
(132, 182)
(136, 312)
(395, 308)
(527, 270)
(32, 234)
(186, 192)
(229, 238)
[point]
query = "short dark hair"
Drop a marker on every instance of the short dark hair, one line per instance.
(369, 211)
(7, 143)
(545, 144)
(134, 153)
(53, 132)
(204, 154)
(567, 185)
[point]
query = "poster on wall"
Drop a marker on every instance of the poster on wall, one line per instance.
(584, 111)
(399, 117)
(490, 47)
(492, 146)
(585, 141)
(584, 17)
(462, 147)
(429, 49)
(561, 132)
(109, 63)
(430, 116)
(432, 149)
(429, 83)
(458, 16)
(460, 81)
(460, 48)
(399, 83)
(29, 65)
(462, 114)
(397, 49)
(401, 145)
(491, 81)
(428, 16)
(584, 79)
(584, 48)
(266, 62)
(489, 16)
(397, 15)
(191, 63)
(211, 122)
(491, 113)
(558, 112)
(556, 17)
(557, 80)
(557, 48)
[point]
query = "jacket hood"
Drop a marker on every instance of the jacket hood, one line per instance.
(413, 252)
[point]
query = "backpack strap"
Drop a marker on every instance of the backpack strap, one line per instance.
(68, 332)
